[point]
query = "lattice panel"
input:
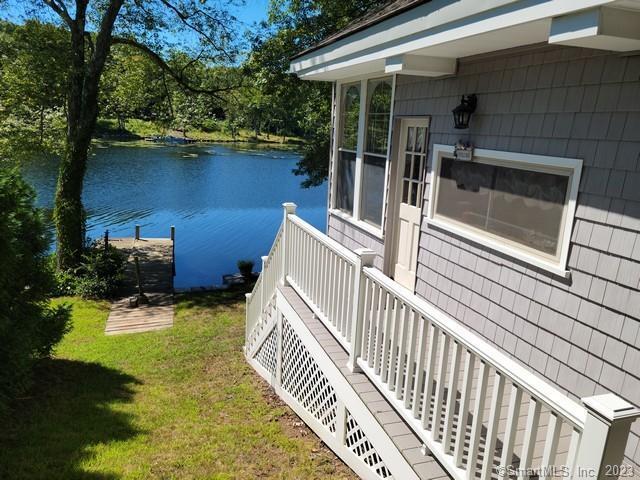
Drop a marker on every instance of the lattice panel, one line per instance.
(357, 442)
(304, 381)
(267, 354)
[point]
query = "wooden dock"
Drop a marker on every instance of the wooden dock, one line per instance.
(156, 260)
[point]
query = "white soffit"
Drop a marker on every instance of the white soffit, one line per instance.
(440, 31)
(603, 28)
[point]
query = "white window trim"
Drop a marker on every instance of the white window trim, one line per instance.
(355, 219)
(572, 166)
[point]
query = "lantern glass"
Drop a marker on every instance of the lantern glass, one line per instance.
(462, 113)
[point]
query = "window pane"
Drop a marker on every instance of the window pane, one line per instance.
(378, 111)
(420, 139)
(463, 191)
(527, 207)
(407, 165)
(372, 189)
(350, 112)
(523, 206)
(417, 167)
(410, 138)
(344, 182)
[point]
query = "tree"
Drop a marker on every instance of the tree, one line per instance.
(33, 81)
(94, 27)
(305, 107)
(29, 326)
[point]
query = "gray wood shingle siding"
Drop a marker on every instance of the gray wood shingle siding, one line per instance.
(581, 334)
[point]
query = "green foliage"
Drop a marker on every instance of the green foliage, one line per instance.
(100, 274)
(295, 106)
(246, 268)
(33, 85)
(29, 327)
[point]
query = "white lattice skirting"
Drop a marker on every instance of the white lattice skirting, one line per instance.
(286, 354)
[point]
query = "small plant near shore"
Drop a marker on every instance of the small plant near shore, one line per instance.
(246, 269)
(99, 276)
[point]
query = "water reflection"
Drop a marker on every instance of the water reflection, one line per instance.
(224, 200)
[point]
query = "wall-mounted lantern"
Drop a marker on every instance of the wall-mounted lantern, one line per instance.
(462, 113)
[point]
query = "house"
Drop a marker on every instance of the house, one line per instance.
(473, 309)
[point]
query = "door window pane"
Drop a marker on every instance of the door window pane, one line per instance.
(523, 206)
(373, 189)
(345, 181)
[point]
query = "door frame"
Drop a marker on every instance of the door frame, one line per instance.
(393, 207)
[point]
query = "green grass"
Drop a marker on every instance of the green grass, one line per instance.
(177, 403)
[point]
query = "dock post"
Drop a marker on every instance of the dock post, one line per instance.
(137, 232)
(173, 249)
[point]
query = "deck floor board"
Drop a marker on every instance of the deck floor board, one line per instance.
(155, 257)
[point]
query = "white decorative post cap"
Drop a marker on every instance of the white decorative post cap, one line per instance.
(289, 208)
(367, 256)
(611, 407)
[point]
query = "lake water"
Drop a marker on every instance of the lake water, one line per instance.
(225, 200)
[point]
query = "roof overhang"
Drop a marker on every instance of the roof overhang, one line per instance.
(428, 39)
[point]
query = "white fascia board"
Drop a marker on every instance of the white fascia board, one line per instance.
(420, 65)
(434, 23)
(604, 28)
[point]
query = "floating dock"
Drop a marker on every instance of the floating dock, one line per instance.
(156, 259)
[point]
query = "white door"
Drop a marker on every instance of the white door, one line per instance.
(412, 157)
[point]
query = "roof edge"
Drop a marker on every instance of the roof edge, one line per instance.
(346, 32)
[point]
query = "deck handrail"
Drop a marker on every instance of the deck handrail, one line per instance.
(536, 387)
(434, 370)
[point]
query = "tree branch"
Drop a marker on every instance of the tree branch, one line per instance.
(185, 18)
(60, 10)
(157, 59)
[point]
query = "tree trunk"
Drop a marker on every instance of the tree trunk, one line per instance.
(82, 103)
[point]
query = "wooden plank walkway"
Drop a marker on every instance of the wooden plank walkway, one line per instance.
(155, 257)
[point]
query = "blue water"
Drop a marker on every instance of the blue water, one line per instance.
(224, 200)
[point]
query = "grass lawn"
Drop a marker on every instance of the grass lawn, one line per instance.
(178, 403)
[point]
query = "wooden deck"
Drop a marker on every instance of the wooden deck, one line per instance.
(155, 256)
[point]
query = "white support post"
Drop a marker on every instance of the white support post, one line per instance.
(264, 259)
(604, 437)
(247, 297)
(288, 208)
(364, 258)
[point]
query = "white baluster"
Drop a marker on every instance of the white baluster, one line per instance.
(452, 395)
(442, 372)
(478, 413)
(364, 259)
(530, 432)
(428, 381)
(492, 427)
(513, 413)
(463, 416)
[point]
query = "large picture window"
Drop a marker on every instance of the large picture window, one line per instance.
(361, 150)
(516, 203)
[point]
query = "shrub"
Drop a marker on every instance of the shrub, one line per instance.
(246, 269)
(29, 327)
(100, 274)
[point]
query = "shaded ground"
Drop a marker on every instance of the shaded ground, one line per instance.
(177, 403)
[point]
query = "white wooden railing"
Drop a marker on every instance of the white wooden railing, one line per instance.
(477, 410)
